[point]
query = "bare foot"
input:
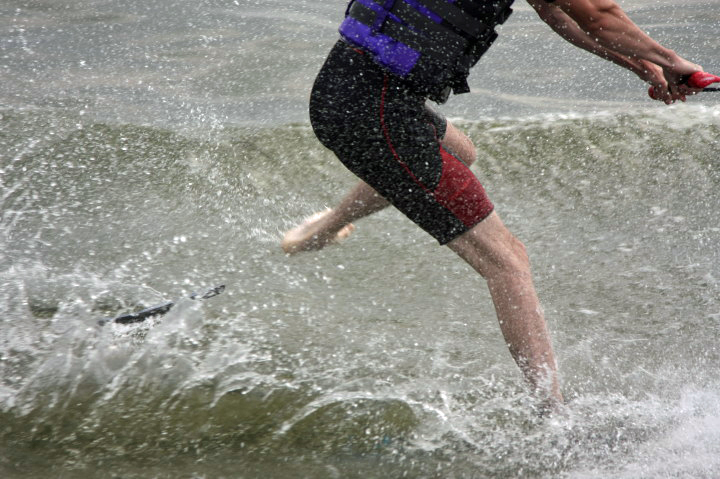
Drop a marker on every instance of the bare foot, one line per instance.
(314, 234)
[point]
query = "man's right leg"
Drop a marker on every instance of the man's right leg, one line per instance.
(501, 259)
(333, 225)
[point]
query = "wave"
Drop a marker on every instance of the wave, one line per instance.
(306, 364)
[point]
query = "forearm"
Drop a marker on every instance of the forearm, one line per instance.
(568, 29)
(602, 27)
(608, 25)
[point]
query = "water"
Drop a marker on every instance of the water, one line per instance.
(152, 149)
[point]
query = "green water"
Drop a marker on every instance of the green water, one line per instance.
(323, 364)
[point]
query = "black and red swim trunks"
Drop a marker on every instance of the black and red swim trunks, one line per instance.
(386, 134)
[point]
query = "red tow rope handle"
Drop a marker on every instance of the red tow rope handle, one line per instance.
(696, 80)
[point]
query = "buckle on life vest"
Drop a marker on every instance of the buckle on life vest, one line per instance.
(381, 15)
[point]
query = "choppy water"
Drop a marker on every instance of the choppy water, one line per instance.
(151, 149)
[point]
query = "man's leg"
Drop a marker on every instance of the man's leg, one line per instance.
(335, 224)
(501, 259)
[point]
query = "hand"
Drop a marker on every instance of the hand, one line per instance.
(653, 74)
(667, 83)
(675, 75)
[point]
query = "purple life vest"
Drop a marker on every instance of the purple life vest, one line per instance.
(431, 44)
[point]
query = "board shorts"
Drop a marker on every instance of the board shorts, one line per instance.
(389, 137)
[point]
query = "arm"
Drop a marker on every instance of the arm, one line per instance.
(566, 27)
(602, 27)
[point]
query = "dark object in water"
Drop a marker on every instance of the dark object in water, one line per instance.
(158, 310)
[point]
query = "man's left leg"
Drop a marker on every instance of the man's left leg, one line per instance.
(333, 225)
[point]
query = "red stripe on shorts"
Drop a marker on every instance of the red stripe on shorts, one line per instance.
(461, 192)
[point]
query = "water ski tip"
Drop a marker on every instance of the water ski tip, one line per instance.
(158, 310)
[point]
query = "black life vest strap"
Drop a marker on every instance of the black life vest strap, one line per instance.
(387, 6)
(447, 38)
(491, 12)
(455, 16)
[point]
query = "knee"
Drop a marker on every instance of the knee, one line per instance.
(517, 257)
(460, 145)
(467, 153)
(511, 260)
(493, 251)
(520, 255)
